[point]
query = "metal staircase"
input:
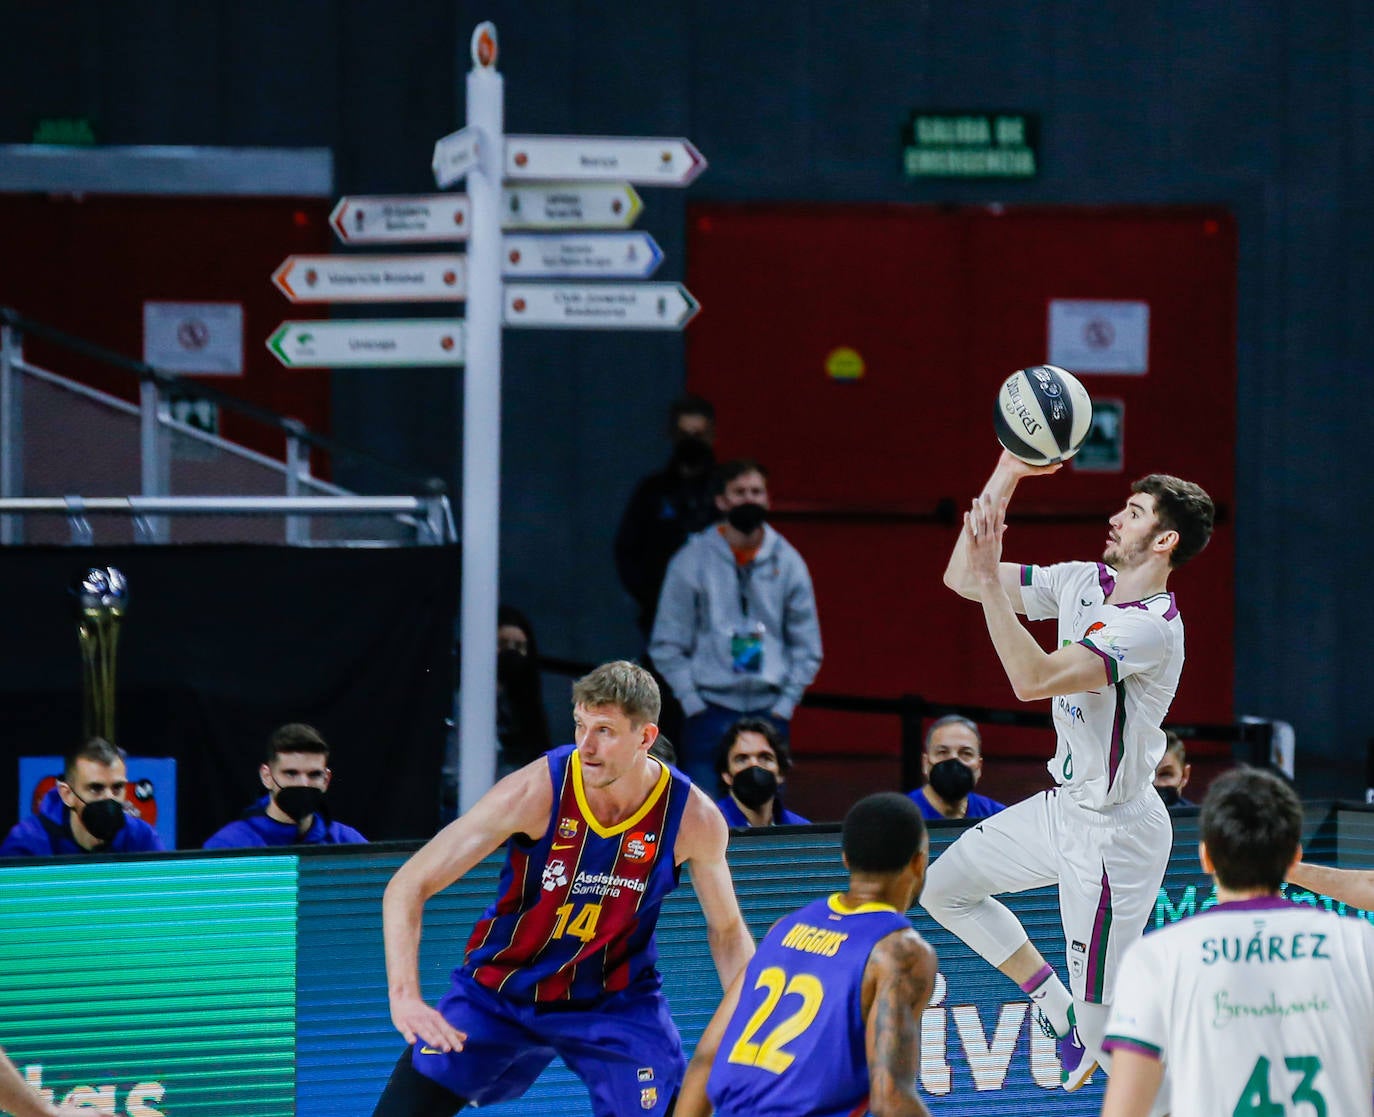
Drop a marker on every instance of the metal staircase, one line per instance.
(77, 463)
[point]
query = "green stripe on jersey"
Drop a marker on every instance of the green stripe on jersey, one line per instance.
(1134, 1042)
(1113, 674)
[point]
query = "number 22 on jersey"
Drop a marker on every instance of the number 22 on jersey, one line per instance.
(771, 1053)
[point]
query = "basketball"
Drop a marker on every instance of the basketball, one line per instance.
(1043, 414)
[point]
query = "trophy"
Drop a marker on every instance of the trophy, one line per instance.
(102, 596)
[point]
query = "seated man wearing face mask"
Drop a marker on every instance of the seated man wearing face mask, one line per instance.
(85, 812)
(753, 761)
(953, 762)
(736, 634)
(1171, 776)
(293, 811)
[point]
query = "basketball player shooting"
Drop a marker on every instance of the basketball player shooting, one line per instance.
(1102, 833)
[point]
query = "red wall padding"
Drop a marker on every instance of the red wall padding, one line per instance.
(942, 305)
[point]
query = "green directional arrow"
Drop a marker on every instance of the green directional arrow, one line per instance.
(274, 343)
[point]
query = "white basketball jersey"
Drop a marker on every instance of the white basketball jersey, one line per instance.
(1256, 1007)
(1109, 739)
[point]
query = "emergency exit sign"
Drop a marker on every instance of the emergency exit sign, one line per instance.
(970, 145)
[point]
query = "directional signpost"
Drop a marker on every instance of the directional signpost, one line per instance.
(480, 575)
(371, 343)
(396, 219)
(443, 278)
(597, 255)
(570, 205)
(367, 279)
(600, 306)
(454, 156)
(561, 191)
(657, 162)
(438, 218)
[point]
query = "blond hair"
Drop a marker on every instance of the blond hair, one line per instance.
(622, 684)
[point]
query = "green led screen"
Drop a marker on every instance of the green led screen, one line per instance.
(161, 988)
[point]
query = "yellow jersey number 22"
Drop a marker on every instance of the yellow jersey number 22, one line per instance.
(770, 1053)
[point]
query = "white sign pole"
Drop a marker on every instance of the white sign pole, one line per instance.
(482, 428)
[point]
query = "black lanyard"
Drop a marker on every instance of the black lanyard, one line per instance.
(744, 573)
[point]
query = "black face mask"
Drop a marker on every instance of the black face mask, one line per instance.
(103, 818)
(299, 802)
(747, 518)
(513, 668)
(692, 454)
(1171, 795)
(754, 786)
(951, 780)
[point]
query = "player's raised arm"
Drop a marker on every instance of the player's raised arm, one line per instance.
(899, 978)
(959, 575)
(1032, 672)
(701, 843)
(1349, 886)
(518, 804)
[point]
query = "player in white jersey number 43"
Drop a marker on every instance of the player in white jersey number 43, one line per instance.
(1257, 1006)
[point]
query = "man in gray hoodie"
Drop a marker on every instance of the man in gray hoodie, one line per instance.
(736, 631)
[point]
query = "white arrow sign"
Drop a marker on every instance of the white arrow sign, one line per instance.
(568, 205)
(643, 159)
(608, 255)
(454, 156)
(433, 218)
(395, 219)
(373, 344)
(599, 306)
(367, 279)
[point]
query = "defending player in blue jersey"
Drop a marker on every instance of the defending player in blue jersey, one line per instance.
(563, 963)
(826, 1019)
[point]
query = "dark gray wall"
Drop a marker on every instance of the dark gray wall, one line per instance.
(1263, 107)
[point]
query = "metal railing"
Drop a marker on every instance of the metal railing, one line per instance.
(424, 517)
(1244, 741)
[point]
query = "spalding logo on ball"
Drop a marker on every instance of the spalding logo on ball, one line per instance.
(1043, 415)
